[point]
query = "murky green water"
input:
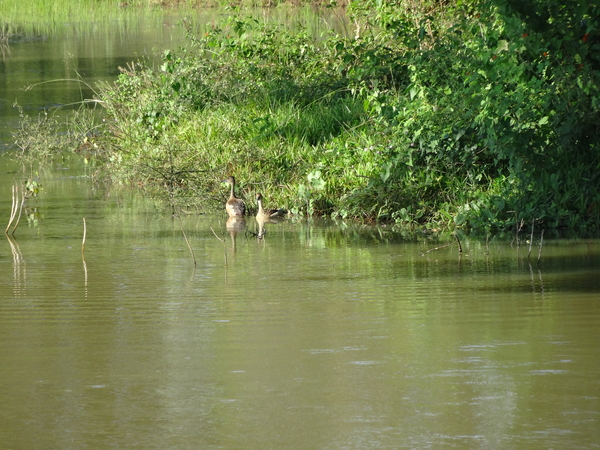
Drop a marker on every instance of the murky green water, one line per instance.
(39, 70)
(321, 335)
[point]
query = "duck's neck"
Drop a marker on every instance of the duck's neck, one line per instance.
(261, 211)
(231, 194)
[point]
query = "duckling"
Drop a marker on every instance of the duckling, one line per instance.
(268, 214)
(235, 207)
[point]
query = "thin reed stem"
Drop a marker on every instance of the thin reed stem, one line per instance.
(540, 251)
(531, 238)
(12, 211)
(186, 239)
(17, 205)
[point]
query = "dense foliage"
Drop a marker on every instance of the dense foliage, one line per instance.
(500, 107)
(476, 113)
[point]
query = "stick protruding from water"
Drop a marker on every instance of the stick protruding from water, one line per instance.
(17, 206)
(540, 251)
(84, 234)
(531, 238)
(460, 250)
(186, 238)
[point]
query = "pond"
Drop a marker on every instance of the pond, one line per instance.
(322, 334)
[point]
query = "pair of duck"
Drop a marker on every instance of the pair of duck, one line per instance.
(236, 207)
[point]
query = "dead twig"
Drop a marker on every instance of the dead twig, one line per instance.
(186, 239)
(518, 227)
(436, 248)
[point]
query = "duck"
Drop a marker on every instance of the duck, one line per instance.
(268, 214)
(235, 207)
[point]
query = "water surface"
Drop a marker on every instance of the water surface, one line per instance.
(323, 334)
(320, 335)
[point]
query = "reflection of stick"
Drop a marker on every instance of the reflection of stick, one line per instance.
(84, 233)
(85, 274)
(16, 251)
(540, 252)
(85, 277)
(224, 244)
(18, 262)
(186, 239)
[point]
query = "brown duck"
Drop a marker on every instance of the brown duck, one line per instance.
(235, 207)
(268, 214)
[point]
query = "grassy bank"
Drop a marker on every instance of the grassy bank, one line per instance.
(480, 116)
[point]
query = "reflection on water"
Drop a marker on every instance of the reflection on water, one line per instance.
(320, 335)
(234, 226)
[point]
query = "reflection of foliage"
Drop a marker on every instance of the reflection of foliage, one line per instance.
(9, 34)
(5, 33)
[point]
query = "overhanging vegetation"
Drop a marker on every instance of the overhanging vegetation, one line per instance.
(470, 114)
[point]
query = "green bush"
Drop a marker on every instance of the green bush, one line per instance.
(500, 112)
